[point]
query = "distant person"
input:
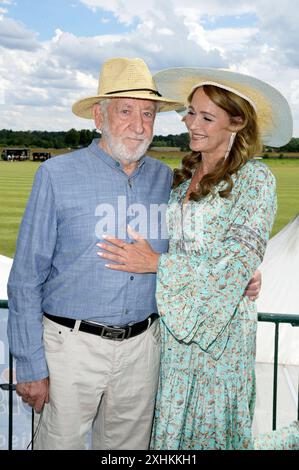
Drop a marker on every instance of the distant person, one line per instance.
(87, 340)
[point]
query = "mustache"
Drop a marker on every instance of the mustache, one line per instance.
(141, 139)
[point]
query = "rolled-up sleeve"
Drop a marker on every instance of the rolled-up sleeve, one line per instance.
(31, 267)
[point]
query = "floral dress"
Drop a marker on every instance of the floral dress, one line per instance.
(206, 392)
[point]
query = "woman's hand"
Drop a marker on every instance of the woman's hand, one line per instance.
(254, 286)
(137, 257)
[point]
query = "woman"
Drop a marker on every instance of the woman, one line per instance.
(220, 216)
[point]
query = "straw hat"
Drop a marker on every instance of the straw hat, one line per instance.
(273, 112)
(124, 78)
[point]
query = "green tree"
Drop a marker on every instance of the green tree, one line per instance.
(72, 138)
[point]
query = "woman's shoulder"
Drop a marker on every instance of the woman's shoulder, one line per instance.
(255, 171)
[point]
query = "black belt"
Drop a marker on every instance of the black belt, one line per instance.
(117, 333)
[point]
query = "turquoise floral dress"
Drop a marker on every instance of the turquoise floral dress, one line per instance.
(206, 392)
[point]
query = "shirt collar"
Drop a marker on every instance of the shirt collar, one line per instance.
(99, 152)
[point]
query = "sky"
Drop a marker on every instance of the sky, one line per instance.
(51, 51)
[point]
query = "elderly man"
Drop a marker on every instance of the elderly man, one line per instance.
(85, 338)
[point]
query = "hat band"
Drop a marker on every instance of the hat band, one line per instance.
(155, 92)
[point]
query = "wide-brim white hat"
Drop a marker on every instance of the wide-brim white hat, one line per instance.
(121, 77)
(274, 116)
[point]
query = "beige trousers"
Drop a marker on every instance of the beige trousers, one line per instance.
(99, 385)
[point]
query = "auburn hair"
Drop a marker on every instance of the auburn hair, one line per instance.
(246, 145)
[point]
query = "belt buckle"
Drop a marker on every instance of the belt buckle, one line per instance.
(116, 334)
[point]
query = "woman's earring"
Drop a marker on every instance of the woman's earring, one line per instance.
(230, 144)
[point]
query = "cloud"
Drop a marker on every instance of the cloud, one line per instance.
(158, 45)
(262, 64)
(280, 29)
(277, 21)
(84, 53)
(52, 118)
(66, 68)
(14, 35)
(169, 123)
(125, 12)
(48, 76)
(128, 10)
(234, 43)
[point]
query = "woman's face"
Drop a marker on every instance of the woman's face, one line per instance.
(209, 125)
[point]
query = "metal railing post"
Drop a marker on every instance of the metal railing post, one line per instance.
(32, 430)
(275, 374)
(10, 402)
(4, 304)
(277, 319)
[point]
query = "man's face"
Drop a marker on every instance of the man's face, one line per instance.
(127, 127)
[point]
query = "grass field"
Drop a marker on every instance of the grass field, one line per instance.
(16, 181)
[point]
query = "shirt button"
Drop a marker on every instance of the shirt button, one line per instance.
(117, 164)
(126, 312)
(132, 278)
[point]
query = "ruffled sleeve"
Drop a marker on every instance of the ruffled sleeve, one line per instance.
(197, 294)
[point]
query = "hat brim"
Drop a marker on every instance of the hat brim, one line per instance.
(273, 112)
(83, 108)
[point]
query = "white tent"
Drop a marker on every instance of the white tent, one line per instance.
(280, 294)
(5, 267)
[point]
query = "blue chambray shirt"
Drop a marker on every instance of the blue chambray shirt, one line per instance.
(74, 200)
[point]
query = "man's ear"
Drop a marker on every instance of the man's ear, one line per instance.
(236, 123)
(97, 115)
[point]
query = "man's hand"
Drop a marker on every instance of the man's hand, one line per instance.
(254, 286)
(34, 393)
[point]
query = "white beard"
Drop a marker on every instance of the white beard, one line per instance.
(119, 151)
